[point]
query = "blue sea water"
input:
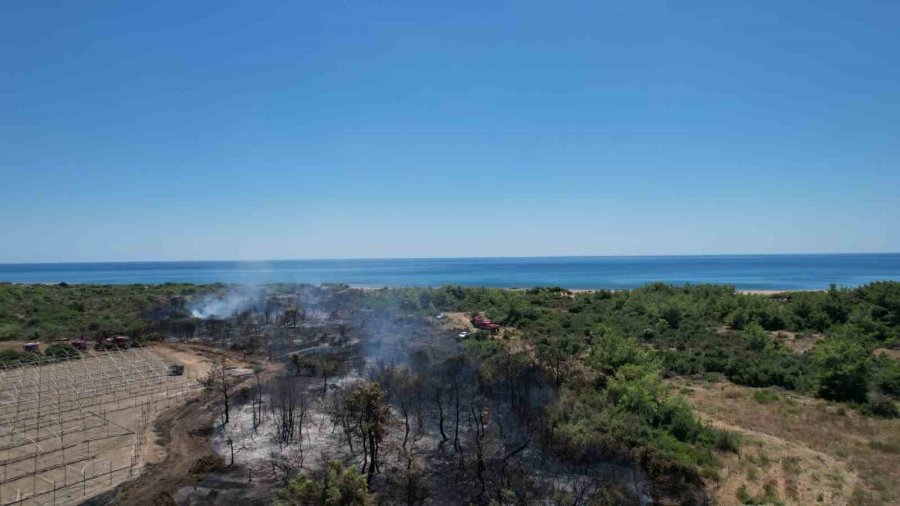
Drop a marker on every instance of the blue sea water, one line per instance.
(745, 272)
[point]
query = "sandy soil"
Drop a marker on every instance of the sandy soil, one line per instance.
(196, 364)
(797, 343)
(806, 450)
(11, 345)
(797, 474)
(888, 352)
(91, 434)
(457, 321)
(183, 434)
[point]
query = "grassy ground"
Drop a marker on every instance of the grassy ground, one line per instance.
(797, 342)
(798, 450)
(11, 345)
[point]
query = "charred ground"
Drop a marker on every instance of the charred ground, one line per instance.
(453, 428)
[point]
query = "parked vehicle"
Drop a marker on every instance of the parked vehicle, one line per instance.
(122, 341)
(32, 347)
(113, 343)
(483, 323)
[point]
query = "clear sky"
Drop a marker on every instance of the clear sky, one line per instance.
(256, 130)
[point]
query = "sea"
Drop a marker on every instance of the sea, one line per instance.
(744, 272)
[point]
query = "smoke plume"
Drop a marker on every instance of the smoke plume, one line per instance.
(224, 305)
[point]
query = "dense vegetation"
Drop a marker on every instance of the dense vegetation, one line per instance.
(694, 329)
(607, 354)
(585, 370)
(49, 312)
(704, 329)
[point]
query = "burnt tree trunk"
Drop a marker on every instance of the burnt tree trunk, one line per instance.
(440, 404)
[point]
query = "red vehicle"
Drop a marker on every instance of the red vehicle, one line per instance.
(122, 341)
(112, 343)
(483, 323)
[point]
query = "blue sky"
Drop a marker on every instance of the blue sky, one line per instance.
(255, 130)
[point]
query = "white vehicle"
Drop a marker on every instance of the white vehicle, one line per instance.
(440, 316)
(464, 334)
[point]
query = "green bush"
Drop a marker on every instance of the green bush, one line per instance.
(10, 331)
(726, 441)
(765, 396)
(12, 356)
(881, 405)
(60, 351)
(842, 365)
(335, 485)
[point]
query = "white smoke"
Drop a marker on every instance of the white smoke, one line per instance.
(225, 305)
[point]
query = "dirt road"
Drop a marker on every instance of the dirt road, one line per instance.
(182, 433)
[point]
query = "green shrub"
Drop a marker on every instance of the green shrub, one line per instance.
(12, 356)
(60, 351)
(726, 441)
(765, 396)
(843, 368)
(10, 331)
(335, 485)
(879, 404)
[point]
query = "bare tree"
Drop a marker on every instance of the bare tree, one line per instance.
(455, 373)
(257, 402)
(341, 417)
(403, 389)
(289, 408)
(217, 381)
(328, 368)
(411, 482)
(291, 316)
(342, 329)
(438, 390)
(479, 417)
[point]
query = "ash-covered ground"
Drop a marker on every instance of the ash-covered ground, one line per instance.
(450, 435)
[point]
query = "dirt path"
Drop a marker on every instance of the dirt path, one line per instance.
(181, 434)
(196, 363)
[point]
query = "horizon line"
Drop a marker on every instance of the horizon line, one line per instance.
(497, 257)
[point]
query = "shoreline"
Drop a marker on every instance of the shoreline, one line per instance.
(439, 258)
(370, 287)
(588, 290)
(776, 292)
(737, 291)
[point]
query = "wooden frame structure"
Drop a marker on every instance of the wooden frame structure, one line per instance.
(74, 426)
